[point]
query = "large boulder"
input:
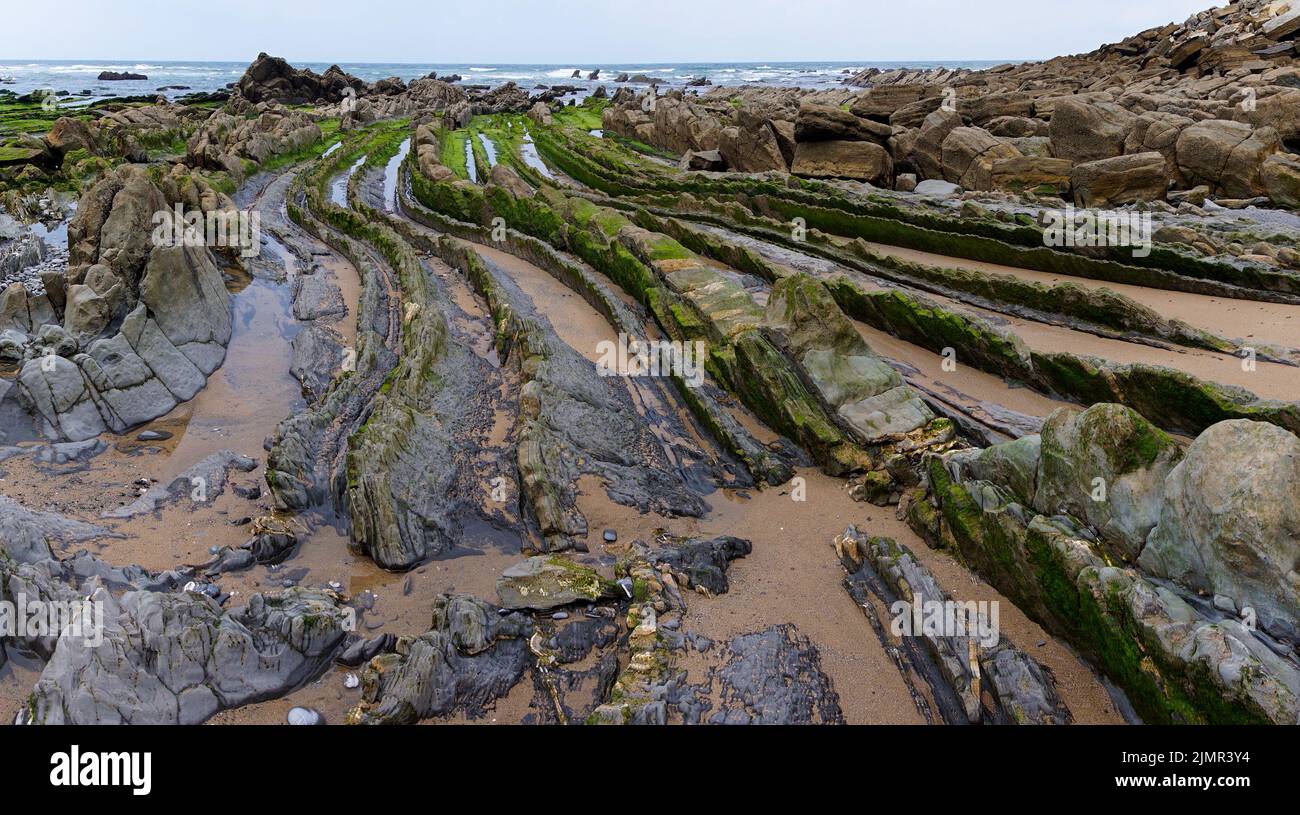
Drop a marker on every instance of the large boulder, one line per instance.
(753, 149)
(818, 122)
(1227, 156)
(983, 109)
(540, 113)
(969, 154)
(1280, 111)
(1231, 522)
(1018, 173)
(70, 134)
(187, 297)
(1012, 465)
(114, 223)
(1281, 177)
(549, 581)
(925, 151)
(1016, 127)
(682, 126)
(858, 160)
(1085, 130)
(881, 102)
(1158, 132)
(1120, 180)
(1105, 466)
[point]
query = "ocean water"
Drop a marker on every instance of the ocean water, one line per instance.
(79, 76)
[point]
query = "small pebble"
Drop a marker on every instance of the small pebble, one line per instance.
(351, 681)
(560, 615)
(610, 536)
(303, 716)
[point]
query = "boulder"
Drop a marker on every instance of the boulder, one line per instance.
(784, 131)
(1013, 104)
(86, 314)
(187, 298)
(118, 231)
(937, 187)
(1280, 111)
(1281, 177)
(751, 149)
(818, 122)
(926, 150)
(471, 655)
(1105, 466)
(1120, 180)
(1230, 524)
(1227, 156)
(1084, 130)
(865, 390)
(540, 113)
(549, 581)
(1019, 173)
(70, 134)
(913, 114)
(503, 175)
(968, 155)
(879, 103)
(1016, 127)
(1013, 465)
(1159, 132)
(858, 160)
(681, 126)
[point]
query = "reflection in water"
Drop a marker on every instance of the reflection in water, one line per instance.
(339, 186)
(390, 175)
(490, 148)
(529, 152)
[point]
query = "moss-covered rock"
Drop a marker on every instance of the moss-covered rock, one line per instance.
(1175, 664)
(1107, 467)
(1230, 523)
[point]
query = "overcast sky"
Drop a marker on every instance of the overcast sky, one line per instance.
(578, 32)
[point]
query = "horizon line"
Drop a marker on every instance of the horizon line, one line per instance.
(594, 63)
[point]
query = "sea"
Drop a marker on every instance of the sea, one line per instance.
(79, 77)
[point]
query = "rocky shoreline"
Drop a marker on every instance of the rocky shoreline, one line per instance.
(371, 465)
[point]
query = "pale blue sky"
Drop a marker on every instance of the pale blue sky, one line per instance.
(578, 32)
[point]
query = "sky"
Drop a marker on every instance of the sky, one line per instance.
(578, 32)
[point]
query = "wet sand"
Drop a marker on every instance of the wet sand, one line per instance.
(1273, 323)
(793, 576)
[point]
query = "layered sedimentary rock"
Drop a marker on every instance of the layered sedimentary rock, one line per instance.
(143, 325)
(1006, 511)
(1214, 96)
